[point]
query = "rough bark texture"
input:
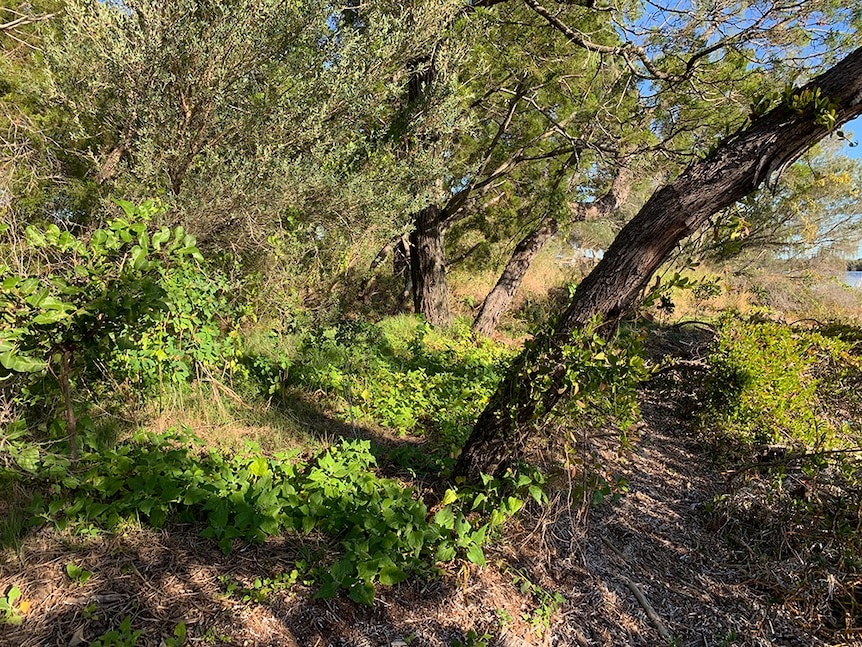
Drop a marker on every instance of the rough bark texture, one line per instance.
(401, 268)
(428, 267)
(500, 297)
(735, 169)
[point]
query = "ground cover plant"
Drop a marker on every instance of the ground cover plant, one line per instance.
(380, 530)
(786, 399)
(403, 375)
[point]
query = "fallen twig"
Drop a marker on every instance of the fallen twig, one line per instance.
(651, 613)
(635, 589)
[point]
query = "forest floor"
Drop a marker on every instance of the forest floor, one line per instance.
(650, 569)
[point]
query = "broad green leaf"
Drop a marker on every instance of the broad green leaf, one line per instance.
(139, 258)
(362, 593)
(77, 574)
(445, 553)
(21, 363)
(445, 518)
(476, 555)
(258, 467)
(13, 595)
(328, 590)
(415, 539)
(35, 237)
(479, 535)
(160, 237)
(391, 574)
(28, 286)
(462, 526)
(128, 208)
(449, 497)
(51, 317)
(513, 504)
(28, 459)
(536, 493)
(180, 631)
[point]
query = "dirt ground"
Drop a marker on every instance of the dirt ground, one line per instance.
(651, 569)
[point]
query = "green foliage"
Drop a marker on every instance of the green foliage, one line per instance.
(796, 502)
(813, 209)
(602, 377)
(77, 574)
(89, 289)
(403, 374)
(178, 639)
(261, 588)
(473, 639)
(77, 300)
(547, 602)
(10, 612)
(195, 335)
(800, 101)
(762, 386)
(122, 636)
(383, 528)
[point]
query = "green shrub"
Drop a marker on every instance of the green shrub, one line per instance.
(123, 309)
(63, 310)
(382, 529)
(403, 374)
(795, 508)
(763, 382)
(195, 334)
(603, 377)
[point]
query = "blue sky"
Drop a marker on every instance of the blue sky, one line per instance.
(854, 127)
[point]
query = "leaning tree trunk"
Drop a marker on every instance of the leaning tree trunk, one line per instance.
(534, 383)
(401, 270)
(500, 297)
(428, 267)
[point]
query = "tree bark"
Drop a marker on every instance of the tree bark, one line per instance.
(533, 385)
(401, 269)
(500, 297)
(71, 423)
(428, 267)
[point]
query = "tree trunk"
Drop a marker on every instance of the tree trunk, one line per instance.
(428, 267)
(71, 423)
(401, 268)
(500, 297)
(736, 168)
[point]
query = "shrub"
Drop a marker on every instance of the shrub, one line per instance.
(380, 528)
(63, 310)
(763, 381)
(794, 511)
(402, 374)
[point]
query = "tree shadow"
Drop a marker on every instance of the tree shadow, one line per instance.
(160, 580)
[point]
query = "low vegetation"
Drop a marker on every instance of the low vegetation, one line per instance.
(779, 404)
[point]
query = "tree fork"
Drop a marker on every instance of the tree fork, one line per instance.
(739, 165)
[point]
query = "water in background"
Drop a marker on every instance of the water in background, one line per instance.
(854, 279)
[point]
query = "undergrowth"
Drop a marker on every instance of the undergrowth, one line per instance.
(402, 374)
(786, 400)
(380, 530)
